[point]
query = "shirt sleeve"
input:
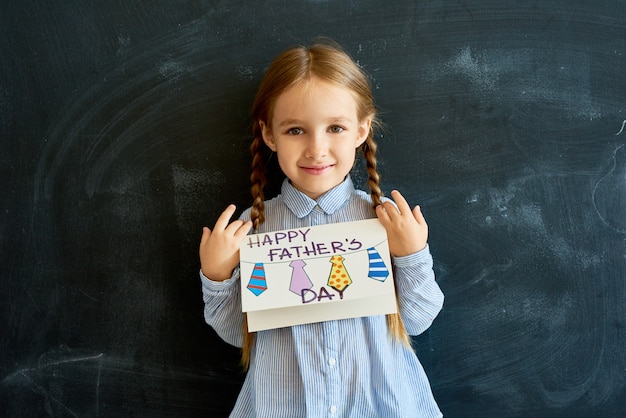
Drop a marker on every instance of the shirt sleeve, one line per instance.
(419, 297)
(222, 307)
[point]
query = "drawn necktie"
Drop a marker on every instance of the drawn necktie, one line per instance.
(378, 269)
(338, 278)
(257, 283)
(299, 278)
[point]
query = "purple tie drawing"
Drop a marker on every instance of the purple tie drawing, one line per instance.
(378, 270)
(257, 283)
(299, 279)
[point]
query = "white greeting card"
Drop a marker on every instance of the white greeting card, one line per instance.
(317, 273)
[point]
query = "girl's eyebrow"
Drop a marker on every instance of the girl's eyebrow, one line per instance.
(339, 119)
(290, 121)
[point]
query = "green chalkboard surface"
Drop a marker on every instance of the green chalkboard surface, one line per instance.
(124, 128)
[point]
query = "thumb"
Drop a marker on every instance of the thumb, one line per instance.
(206, 233)
(418, 215)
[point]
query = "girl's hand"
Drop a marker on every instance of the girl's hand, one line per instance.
(407, 230)
(219, 249)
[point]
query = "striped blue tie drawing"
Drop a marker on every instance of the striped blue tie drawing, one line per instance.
(257, 283)
(378, 270)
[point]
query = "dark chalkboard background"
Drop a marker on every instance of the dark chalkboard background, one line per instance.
(124, 129)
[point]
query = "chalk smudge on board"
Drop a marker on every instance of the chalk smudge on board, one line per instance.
(609, 194)
(622, 128)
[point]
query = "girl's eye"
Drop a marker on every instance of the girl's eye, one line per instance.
(295, 131)
(336, 129)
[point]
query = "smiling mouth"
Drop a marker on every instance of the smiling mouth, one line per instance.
(317, 170)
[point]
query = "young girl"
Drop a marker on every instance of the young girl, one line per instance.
(314, 109)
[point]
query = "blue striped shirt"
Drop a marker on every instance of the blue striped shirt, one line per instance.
(344, 368)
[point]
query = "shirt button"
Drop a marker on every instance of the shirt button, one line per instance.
(333, 410)
(332, 362)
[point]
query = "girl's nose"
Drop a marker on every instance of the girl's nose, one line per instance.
(317, 146)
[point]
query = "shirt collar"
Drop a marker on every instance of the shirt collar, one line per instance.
(301, 205)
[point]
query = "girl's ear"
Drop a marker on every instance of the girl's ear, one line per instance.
(268, 137)
(364, 130)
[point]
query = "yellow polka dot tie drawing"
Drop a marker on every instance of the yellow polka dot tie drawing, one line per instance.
(339, 278)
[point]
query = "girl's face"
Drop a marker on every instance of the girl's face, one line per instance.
(315, 131)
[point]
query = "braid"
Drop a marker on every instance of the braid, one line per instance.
(373, 181)
(258, 180)
(369, 147)
(246, 346)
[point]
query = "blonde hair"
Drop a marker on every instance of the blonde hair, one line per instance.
(328, 62)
